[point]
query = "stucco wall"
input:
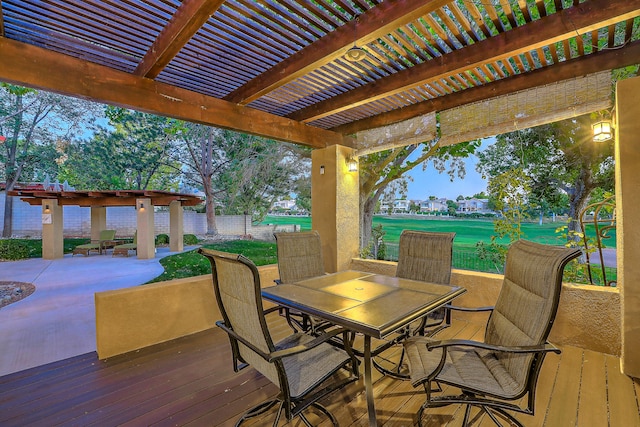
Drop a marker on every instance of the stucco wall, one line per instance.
(588, 316)
(140, 316)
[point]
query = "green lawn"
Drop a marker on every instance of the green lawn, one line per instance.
(468, 231)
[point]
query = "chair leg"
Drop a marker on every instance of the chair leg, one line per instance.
(260, 409)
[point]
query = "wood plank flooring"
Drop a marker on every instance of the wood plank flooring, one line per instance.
(190, 382)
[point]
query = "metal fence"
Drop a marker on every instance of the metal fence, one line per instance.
(463, 260)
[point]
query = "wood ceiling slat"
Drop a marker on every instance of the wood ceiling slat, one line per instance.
(451, 26)
(400, 50)
(524, 8)
(542, 57)
(310, 17)
(580, 44)
(269, 53)
(435, 26)
(340, 13)
(493, 15)
(426, 51)
(497, 68)
(611, 41)
(422, 30)
(242, 49)
(542, 10)
(554, 53)
(373, 23)
(235, 20)
(567, 49)
(276, 22)
(507, 45)
(509, 13)
(479, 19)
(278, 9)
(464, 22)
(328, 18)
(605, 60)
(530, 60)
(412, 43)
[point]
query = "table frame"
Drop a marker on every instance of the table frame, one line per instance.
(372, 304)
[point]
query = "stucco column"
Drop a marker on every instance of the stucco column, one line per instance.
(176, 226)
(627, 156)
(334, 206)
(146, 229)
(52, 230)
(98, 221)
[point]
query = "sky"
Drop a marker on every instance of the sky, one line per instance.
(431, 183)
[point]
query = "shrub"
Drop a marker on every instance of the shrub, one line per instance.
(162, 239)
(13, 250)
(190, 239)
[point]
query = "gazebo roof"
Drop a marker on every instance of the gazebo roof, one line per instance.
(104, 198)
(277, 68)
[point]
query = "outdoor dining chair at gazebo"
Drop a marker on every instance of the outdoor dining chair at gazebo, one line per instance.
(505, 366)
(424, 256)
(304, 367)
(95, 245)
(299, 258)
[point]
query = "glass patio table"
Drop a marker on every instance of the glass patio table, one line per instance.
(372, 304)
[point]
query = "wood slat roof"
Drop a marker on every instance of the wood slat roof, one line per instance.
(277, 67)
(104, 198)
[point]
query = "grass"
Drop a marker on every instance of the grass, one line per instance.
(191, 263)
(34, 246)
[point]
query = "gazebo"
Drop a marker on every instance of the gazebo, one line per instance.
(143, 201)
(350, 77)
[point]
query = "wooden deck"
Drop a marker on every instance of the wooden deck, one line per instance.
(190, 382)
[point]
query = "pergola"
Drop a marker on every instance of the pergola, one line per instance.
(142, 200)
(452, 69)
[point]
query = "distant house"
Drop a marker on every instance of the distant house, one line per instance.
(401, 205)
(437, 205)
(284, 205)
(473, 206)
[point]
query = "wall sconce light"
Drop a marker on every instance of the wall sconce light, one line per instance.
(321, 170)
(46, 208)
(141, 207)
(352, 164)
(602, 130)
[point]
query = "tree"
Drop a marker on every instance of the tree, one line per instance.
(243, 173)
(35, 124)
(134, 152)
(380, 170)
(559, 158)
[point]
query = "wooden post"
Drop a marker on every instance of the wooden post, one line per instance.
(52, 230)
(146, 229)
(176, 226)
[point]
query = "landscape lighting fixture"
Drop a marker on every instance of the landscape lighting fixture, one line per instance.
(602, 130)
(352, 164)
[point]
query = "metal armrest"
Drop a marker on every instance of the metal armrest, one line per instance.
(468, 309)
(322, 338)
(544, 348)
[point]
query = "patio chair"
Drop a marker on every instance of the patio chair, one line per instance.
(505, 366)
(298, 364)
(95, 245)
(423, 256)
(124, 248)
(299, 258)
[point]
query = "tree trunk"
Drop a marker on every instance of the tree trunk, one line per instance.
(7, 229)
(210, 209)
(367, 207)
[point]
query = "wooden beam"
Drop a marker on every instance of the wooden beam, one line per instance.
(374, 23)
(188, 19)
(601, 61)
(24, 64)
(560, 26)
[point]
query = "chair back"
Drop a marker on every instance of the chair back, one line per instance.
(528, 302)
(425, 256)
(107, 234)
(236, 283)
(299, 256)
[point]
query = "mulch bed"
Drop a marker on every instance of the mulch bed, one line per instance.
(11, 291)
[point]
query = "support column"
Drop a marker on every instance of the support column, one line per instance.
(52, 230)
(627, 157)
(176, 227)
(98, 221)
(146, 229)
(334, 206)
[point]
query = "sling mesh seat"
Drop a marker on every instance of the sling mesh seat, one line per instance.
(95, 245)
(299, 258)
(305, 368)
(505, 366)
(423, 256)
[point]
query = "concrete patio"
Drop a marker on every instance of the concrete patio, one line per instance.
(58, 320)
